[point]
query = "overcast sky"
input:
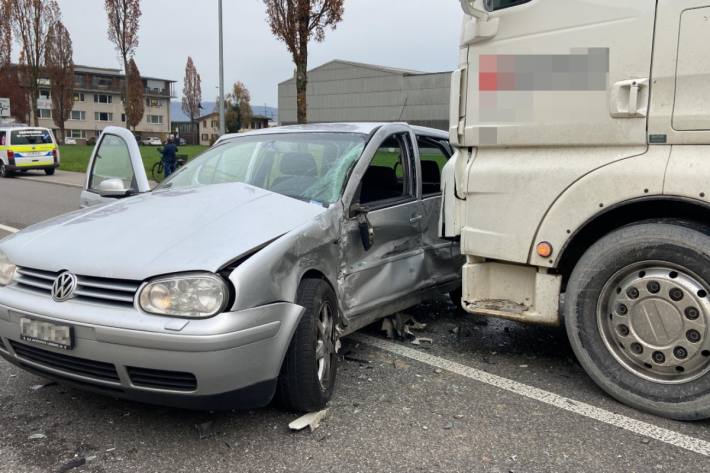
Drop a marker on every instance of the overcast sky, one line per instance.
(413, 34)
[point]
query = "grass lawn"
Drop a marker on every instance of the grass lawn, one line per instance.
(75, 158)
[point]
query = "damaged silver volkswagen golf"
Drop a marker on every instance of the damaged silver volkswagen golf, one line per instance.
(232, 281)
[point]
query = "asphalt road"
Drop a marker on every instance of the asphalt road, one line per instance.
(495, 397)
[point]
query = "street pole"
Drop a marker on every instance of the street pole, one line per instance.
(222, 127)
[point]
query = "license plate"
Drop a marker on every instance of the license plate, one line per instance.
(46, 333)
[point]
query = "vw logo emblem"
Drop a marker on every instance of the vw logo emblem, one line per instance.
(63, 287)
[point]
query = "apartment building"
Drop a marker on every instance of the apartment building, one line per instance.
(98, 104)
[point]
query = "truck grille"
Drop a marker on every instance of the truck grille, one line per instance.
(69, 364)
(159, 379)
(111, 291)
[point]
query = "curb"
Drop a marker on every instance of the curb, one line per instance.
(39, 179)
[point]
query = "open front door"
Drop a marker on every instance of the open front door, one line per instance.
(115, 169)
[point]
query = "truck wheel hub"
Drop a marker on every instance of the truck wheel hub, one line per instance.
(654, 319)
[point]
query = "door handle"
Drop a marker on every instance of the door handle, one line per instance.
(629, 99)
(415, 219)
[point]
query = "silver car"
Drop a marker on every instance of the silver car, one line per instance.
(231, 281)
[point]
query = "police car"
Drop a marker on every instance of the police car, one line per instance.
(24, 148)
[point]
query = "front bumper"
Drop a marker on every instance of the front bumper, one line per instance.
(228, 361)
(32, 167)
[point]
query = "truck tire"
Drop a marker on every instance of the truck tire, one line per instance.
(637, 314)
(307, 378)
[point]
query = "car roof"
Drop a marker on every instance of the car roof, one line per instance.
(364, 128)
(22, 127)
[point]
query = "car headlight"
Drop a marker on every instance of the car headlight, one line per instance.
(7, 270)
(189, 295)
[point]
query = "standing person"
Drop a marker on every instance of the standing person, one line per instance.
(169, 157)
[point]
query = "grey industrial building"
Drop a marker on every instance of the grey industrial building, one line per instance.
(344, 91)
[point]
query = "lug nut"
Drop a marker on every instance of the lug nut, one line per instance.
(659, 357)
(622, 309)
(636, 348)
(653, 287)
(676, 294)
(693, 336)
(692, 313)
(632, 292)
(680, 353)
(623, 330)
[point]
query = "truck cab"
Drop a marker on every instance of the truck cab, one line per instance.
(579, 186)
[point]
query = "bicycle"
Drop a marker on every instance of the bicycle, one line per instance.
(157, 171)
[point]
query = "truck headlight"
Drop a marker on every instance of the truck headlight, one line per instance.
(196, 295)
(7, 270)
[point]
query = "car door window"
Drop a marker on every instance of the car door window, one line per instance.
(433, 155)
(389, 179)
(113, 161)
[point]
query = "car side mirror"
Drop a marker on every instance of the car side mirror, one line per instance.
(367, 232)
(113, 187)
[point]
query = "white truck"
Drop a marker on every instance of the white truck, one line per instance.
(580, 186)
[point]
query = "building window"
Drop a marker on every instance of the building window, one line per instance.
(102, 82)
(78, 115)
(79, 97)
(45, 113)
(215, 124)
(44, 94)
(78, 134)
(101, 98)
(152, 102)
(155, 119)
(103, 117)
(205, 137)
(123, 117)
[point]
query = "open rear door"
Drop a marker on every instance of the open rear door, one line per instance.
(115, 169)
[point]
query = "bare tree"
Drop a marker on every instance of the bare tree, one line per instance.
(134, 105)
(31, 21)
(192, 91)
(238, 106)
(5, 33)
(60, 67)
(123, 25)
(296, 22)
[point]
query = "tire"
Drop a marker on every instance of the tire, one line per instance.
(49, 172)
(4, 172)
(306, 384)
(637, 315)
(157, 172)
(456, 295)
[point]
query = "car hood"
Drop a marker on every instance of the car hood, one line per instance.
(163, 232)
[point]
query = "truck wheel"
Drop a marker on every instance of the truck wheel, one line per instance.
(638, 317)
(456, 296)
(49, 172)
(308, 373)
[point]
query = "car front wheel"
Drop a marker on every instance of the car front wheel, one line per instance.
(638, 317)
(307, 378)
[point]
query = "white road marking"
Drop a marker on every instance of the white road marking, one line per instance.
(9, 229)
(617, 420)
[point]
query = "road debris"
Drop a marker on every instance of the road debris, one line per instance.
(204, 429)
(401, 326)
(37, 437)
(71, 464)
(37, 387)
(311, 420)
(362, 361)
